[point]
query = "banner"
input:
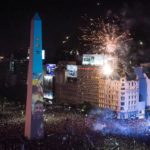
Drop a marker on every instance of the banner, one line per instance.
(37, 128)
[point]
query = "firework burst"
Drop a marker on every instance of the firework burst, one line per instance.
(106, 38)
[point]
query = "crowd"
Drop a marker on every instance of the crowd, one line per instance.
(65, 128)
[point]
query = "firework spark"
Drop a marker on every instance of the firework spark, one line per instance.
(106, 38)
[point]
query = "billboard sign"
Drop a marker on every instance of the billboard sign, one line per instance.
(37, 129)
(50, 69)
(43, 54)
(48, 87)
(96, 59)
(72, 71)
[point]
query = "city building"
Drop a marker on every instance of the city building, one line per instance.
(13, 72)
(48, 81)
(144, 87)
(122, 93)
(129, 97)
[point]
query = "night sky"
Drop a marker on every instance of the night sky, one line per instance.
(61, 18)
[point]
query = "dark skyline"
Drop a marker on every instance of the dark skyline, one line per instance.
(63, 17)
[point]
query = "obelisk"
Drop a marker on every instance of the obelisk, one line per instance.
(34, 102)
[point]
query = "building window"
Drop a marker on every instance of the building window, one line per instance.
(122, 103)
(122, 98)
(122, 108)
(122, 84)
(122, 93)
(122, 88)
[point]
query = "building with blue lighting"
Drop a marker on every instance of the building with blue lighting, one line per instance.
(129, 98)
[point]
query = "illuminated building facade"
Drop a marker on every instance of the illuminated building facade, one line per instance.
(87, 84)
(48, 81)
(144, 87)
(123, 94)
(143, 73)
(111, 92)
(129, 98)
